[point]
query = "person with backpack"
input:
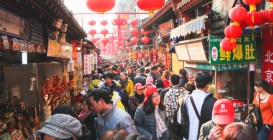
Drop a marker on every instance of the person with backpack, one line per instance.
(127, 86)
(171, 101)
(197, 108)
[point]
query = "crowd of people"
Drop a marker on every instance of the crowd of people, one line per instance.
(143, 102)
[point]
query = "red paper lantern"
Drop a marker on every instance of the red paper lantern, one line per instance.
(100, 6)
(94, 40)
(266, 15)
(121, 49)
(252, 4)
(104, 22)
(243, 24)
(145, 40)
(150, 5)
(128, 48)
(104, 32)
(134, 22)
(144, 32)
(134, 40)
(92, 32)
(237, 13)
(104, 41)
(233, 32)
(134, 31)
(254, 18)
(92, 22)
(226, 45)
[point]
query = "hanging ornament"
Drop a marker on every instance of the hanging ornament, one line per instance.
(233, 32)
(104, 22)
(237, 14)
(134, 40)
(134, 22)
(134, 31)
(226, 45)
(104, 41)
(150, 5)
(104, 32)
(145, 40)
(252, 4)
(100, 6)
(92, 22)
(254, 18)
(92, 32)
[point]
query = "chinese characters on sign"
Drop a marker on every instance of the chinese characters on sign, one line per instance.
(267, 57)
(165, 28)
(245, 51)
(87, 67)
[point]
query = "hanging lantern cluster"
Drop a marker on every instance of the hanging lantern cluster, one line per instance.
(145, 39)
(134, 31)
(240, 19)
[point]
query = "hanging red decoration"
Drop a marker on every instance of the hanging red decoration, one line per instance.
(243, 24)
(266, 15)
(92, 22)
(121, 49)
(134, 22)
(252, 4)
(145, 40)
(104, 32)
(134, 31)
(104, 41)
(237, 13)
(100, 6)
(94, 40)
(104, 22)
(150, 5)
(144, 32)
(134, 40)
(92, 32)
(254, 18)
(226, 45)
(128, 48)
(119, 21)
(232, 32)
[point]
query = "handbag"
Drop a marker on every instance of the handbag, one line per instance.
(254, 118)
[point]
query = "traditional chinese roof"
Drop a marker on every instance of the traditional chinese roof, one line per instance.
(44, 12)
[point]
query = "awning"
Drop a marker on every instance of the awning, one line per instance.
(195, 25)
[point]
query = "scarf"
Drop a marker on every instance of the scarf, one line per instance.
(160, 125)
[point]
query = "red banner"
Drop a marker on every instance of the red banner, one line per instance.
(267, 56)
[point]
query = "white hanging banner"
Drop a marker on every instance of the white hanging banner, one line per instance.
(87, 58)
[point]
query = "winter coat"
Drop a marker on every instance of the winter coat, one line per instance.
(146, 124)
(129, 86)
(114, 119)
(89, 123)
(94, 83)
(141, 78)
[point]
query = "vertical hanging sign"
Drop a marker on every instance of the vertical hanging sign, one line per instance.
(87, 58)
(267, 56)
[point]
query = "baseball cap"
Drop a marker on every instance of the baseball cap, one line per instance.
(62, 126)
(223, 112)
(149, 91)
(149, 80)
(138, 86)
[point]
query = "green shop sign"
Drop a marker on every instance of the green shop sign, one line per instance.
(245, 51)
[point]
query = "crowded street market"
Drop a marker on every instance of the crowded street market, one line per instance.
(136, 70)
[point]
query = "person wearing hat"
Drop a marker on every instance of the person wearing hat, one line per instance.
(141, 77)
(136, 99)
(149, 81)
(150, 118)
(61, 127)
(110, 117)
(223, 114)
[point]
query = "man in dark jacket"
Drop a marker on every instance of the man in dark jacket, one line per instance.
(183, 77)
(154, 73)
(141, 78)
